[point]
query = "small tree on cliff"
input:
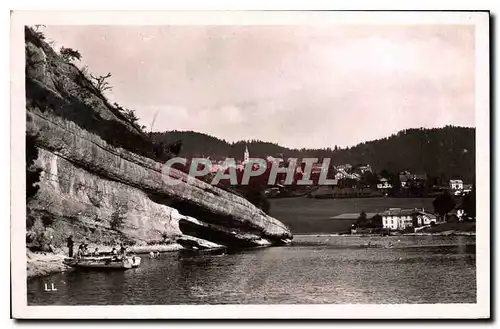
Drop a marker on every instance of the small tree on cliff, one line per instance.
(37, 30)
(32, 172)
(130, 115)
(100, 82)
(69, 55)
(118, 215)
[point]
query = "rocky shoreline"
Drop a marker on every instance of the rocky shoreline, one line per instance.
(40, 264)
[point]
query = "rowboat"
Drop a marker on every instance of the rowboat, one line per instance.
(197, 252)
(104, 262)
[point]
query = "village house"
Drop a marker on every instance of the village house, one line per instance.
(345, 167)
(456, 214)
(456, 184)
(222, 165)
(364, 168)
(401, 219)
(342, 173)
(406, 178)
(384, 184)
(424, 218)
(467, 188)
(317, 168)
(339, 175)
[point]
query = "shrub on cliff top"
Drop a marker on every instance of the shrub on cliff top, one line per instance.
(69, 55)
(33, 34)
(100, 82)
(82, 110)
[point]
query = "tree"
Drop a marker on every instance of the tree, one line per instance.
(69, 55)
(39, 34)
(362, 220)
(119, 214)
(130, 115)
(38, 27)
(100, 82)
(376, 221)
(396, 184)
(469, 204)
(175, 148)
(32, 173)
(443, 204)
(159, 150)
(127, 113)
(369, 179)
(36, 236)
(385, 174)
(417, 188)
(348, 182)
(255, 194)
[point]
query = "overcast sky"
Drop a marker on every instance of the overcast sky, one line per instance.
(299, 86)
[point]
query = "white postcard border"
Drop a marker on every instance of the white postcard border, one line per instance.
(18, 255)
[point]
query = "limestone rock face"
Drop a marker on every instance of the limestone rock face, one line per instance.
(99, 182)
(88, 206)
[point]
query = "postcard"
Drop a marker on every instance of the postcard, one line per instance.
(250, 164)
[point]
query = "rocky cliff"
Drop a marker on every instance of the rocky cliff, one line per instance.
(100, 180)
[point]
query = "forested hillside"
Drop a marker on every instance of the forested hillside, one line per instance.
(442, 152)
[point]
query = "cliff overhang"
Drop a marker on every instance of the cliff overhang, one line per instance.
(88, 151)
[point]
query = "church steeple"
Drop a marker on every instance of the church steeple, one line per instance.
(246, 155)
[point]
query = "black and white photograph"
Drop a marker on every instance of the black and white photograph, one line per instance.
(250, 164)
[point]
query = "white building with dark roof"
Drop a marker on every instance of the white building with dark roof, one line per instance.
(400, 219)
(384, 184)
(456, 184)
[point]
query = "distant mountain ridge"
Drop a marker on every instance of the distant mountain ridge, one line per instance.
(447, 152)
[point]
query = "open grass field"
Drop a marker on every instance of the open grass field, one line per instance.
(308, 215)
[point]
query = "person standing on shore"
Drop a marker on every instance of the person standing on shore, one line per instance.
(79, 253)
(69, 244)
(123, 249)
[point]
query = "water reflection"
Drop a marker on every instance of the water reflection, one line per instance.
(312, 270)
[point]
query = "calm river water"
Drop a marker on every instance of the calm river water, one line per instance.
(314, 269)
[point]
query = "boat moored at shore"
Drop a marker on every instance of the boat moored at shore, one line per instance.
(104, 262)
